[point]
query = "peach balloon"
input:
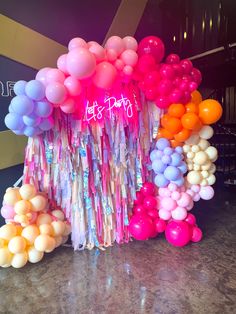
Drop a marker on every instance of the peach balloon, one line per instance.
(58, 240)
(17, 245)
(5, 256)
(130, 43)
(22, 207)
(73, 86)
(27, 191)
(43, 219)
(77, 42)
(43, 243)
(67, 230)
(38, 203)
(58, 214)
(116, 43)
(30, 233)
(7, 232)
(129, 57)
(11, 197)
(58, 227)
(51, 244)
(46, 229)
(19, 260)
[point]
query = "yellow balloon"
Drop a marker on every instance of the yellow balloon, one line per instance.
(58, 241)
(2, 243)
(67, 229)
(38, 203)
(43, 243)
(30, 233)
(51, 245)
(19, 260)
(43, 219)
(22, 207)
(11, 197)
(46, 229)
(58, 228)
(17, 245)
(7, 232)
(27, 191)
(58, 214)
(5, 256)
(34, 255)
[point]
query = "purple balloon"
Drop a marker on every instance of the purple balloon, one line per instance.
(158, 166)
(19, 87)
(32, 120)
(172, 173)
(183, 167)
(161, 181)
(14, 121)
(179, 149)
(176, 159)
(166, 159)
(31, 131)
(162, 143)
(35, 90)
(18, 132)
(168, 151)
(43, 109)
(22, 105)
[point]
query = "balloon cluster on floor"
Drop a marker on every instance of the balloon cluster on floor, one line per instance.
(53, 110)
(31, 229)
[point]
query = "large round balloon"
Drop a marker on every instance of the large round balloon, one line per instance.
(152, 45)
(178, 233)
(210, 111)
(141, 226)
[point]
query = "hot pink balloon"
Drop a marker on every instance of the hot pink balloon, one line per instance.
(152, 45)
(148, 188)
(7, 212)
(130, 43)
(77, 43)
(56, 93)
(178, 233)
(116, 43)
(139, 198)
(139, 209)
(196, 234)
(81, 63)
(128, 70)
(61, 63)
(73, 86)
(153, 213)
(146, 63)
(190, 219)
(105, 75)
(162, 102)
(68, 106)
(149, 202)
(141, 227)
(160, 225)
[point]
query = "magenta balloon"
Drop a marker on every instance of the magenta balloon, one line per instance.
(164, 87)
(148, 188)
(81, 63)
(190, 219)
(105, 75)
(151, 79)
(139, 209)
(172, 59)
(196, 75)
(160, 225)
(141, 226)
(175, 96)
(178, 233)
(162, 102)
(150, 202)
(139, 198)
(146, 63)
(152, 45)
(196, 234)
(167, 72)
(186, 66)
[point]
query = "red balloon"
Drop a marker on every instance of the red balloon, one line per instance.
(197, 234)
(152, 45)
(149, 202)
(139, 209)
(139, 198)
(153, 213)
(160, 225)
(148, 188)
(178, 233)
(141, 227)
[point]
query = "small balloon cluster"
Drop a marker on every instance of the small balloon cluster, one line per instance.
(31, 229)
(168, 164)
(147, 220)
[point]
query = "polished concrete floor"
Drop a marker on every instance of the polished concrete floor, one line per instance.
(140, 277)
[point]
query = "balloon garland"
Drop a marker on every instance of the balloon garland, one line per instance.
(106, 122)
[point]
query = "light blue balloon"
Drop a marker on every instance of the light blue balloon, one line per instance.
(35, 90)
(31, 131)
(10, 109)
(22, 105)
(159, 154)
(179, 149)
(161, 181)
(183, 167)
(46, 124)
(43, 109)
(176, 159)
(18, 132)
(31, 120)
(172, 173)
(162, 143)
(166, 159)
(179, 182)
(158, 166)
(14, 121)
(19, 87)
(168, 151)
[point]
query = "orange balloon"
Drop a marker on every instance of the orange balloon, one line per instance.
(175, 143)
(210, 111)
(190, 121)
(183, 135)
(191, 107)
(164, 120)
(176, 110)
(173, 125)
(196, 97)
(164, 133)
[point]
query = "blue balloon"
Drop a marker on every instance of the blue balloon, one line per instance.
(43, 109)
(35, 90)
(179, 149)
(18, 132)
(166, 159)
(19, 87)
(176, 159)
(31, 131)
(172, 173)
(159, 154)
(22, 105)
(158, 166)
(161, 181)
(46, 124)
(31, 120)
(162, 143)
(183, 167)
(10, 109)
(179, 182)
(14, 121)
(168, 151)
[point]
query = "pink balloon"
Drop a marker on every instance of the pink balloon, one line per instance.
(129, 57)
(152, 45)
(195, 188)
(172, 59)
(164, 192)
(164, 214)
(7, 212)
(206, 192)
(61, 63)
(130, 43)
(77, 43)
(116, 43)
(68, 106)
(98, 51)
(42, 75)
(55, 75)
(111, 55)
(168, 203)
(56, 93)
(178, 233)
(141, 227)
(119, 64)
(179, 213)
(196, 75)
(190, 219)
(186, 65)
(197, 234)
(184, 200)
(160, 225)
(105, 75)
(164, 87)
(196, 197)
(167, 72)
(175, 195)
(128, 70)
(81, 63)
(190, 206)
(73, 86)
(172, 187)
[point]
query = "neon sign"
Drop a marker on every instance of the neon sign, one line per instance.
(96, 111)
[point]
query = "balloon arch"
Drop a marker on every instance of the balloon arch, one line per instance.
(118, 148)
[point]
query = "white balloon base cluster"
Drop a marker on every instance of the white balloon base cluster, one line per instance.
(31, 229)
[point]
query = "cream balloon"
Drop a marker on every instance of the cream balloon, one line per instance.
(205, 174)
(212, 152)
(203, 144)
(50, 245)
(196, 167)
(201, 158)
(206, 132)
(43, 219)
(46, 229)
(203, 182)
(30, 233)
(211, 179)
(2, 243)
(190, 155)
(212, 169)
(58, 214)
(11, 197)
(186, 148)
(19, 260)
(58, 228)
(22, 207)
(195, 148)
(34, 255)
(17, 245)
(38, 203)
(207, 166)
(58, 241)
(194, 177)
(193, 139)
(7, 232)
(27, 191)
(5, 256)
